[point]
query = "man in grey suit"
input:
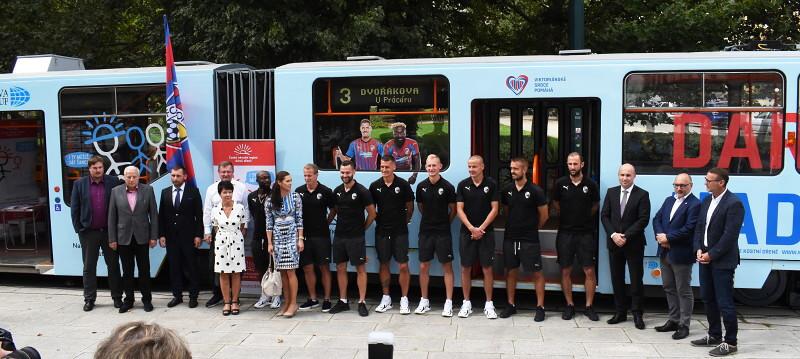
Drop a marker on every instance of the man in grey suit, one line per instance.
(132, 231)
(89, 209)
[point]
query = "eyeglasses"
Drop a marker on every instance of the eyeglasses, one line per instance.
(712, 180)
(681, 185)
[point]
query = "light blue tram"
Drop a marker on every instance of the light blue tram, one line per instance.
(664, 113)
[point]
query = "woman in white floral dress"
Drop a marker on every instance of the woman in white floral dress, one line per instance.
(285, 236)
(228, 220)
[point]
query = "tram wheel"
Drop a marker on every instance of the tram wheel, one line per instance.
(772, 290)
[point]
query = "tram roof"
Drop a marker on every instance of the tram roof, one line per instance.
(106, 72)
(619, 57)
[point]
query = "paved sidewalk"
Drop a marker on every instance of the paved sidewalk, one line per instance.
(52, 320)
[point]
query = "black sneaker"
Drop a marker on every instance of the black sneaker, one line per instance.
(339, 307)
(723, 349)
(539, 316)
(362, 309)
(508, 311)
(214, 300)
(569, 312)
(309, 304)
(591, 314)
(326, 306)
(706, 341)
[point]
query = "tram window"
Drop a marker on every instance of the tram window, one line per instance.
(738, 125)
(23, 163)
(528, 136)
(363, 118)
(131, 133)
(552, 135)
(504, 142)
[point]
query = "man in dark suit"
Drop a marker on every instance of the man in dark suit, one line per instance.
(89, 210)
(132, 231)
(625, 213)
(674, 227)
(716, 245)
(180, 228)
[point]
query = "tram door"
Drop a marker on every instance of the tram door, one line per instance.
(543, 132)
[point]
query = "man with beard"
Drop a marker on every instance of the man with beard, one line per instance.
(348, 241)
(404, 150)
(364, 151)
(577, 198)
(395, 201)
(526, 208)
(212, 198)
(256, 202)
(318, 212)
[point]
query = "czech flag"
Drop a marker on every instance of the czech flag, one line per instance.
(177, 138)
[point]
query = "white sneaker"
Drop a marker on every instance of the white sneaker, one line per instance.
(404, 309)
(488, 309)
(448, 309)
(276, 302)
(262, 302)
(386, 304)
(466, 309)
(425, 306)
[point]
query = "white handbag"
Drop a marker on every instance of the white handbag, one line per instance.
(271, 284)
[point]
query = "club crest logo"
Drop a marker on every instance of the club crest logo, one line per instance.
(441, 191)
(585, 189)
(319, 196)
(354, 196)
(527, 195)
(485, 189)
(517, 84)
(397, 190)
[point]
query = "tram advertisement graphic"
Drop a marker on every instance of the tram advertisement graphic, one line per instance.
(248, 158)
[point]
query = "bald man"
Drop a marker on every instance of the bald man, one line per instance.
(674, 226)
(625, 214)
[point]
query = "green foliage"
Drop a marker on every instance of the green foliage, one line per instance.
(108, 33)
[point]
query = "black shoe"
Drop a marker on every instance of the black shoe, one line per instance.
(193, 303)
(723, 349)
(669, 326)
(508, 311)
(88, 306)
(638, 321)
(215, 299)
(340, 307)
(706, 341)
(682, 332)
(539, 315)
(117, 303)
(125, 307)
(309, 304)
(175, 301)
(591, 314)
(148, 306)
(326, 306)
(569, 312)
(618, 318)
(362, 309)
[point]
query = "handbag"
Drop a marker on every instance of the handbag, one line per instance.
(271, 284)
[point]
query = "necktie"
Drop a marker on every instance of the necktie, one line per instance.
(177, 198)
(623, 202)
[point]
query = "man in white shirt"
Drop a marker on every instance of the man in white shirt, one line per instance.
(716, 246)
(212, 198)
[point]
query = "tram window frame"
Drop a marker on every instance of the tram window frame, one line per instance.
(141, 113)
(39, 177)
(774, 151)
(341, 126)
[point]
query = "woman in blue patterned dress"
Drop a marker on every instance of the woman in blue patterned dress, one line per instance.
(285, 236)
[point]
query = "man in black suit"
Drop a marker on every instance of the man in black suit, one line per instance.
(89, 210)
(716, 245)
(674, 226)
(180, 229)
(625, 213)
